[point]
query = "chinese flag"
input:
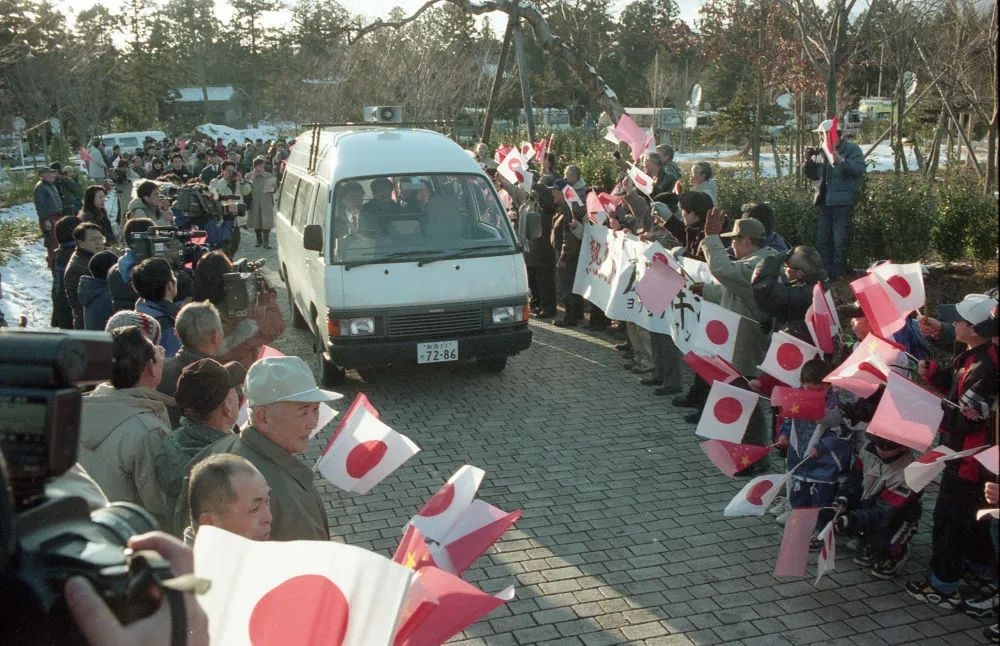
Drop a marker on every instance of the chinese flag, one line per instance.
(412, 551)
(798, 403)
(711, 368)
(731, 457)
(795, 542)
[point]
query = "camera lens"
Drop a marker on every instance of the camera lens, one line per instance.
(124, 519)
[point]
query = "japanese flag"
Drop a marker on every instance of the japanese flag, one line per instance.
(990, 458)
(827, 552)
(830, 139)
(478, 528)
(527, 151)
(919, 473)
(907, 414)
(794, 552)
(786, 356)
(903, 283)
(514, 169)
(597, 211)
(883, 313)
(718, 329)
(756, 496)
(572, 197)
(364, 451)
(867, 367)
(297, 592)
(727, 412)
(711, 368)
(642, 181)
(501, 152)
(436, 518)
(821, 321)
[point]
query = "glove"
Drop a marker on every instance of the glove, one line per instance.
(840, 504)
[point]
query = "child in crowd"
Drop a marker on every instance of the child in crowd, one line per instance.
(823, 448)
(876, 505)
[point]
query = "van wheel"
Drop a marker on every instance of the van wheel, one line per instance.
(330, 373)
(298, 321)
(492, 364)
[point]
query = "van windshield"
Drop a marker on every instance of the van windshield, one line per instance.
(406, 218)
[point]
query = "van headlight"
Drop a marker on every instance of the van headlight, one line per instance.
(363, 326)
(507, 314)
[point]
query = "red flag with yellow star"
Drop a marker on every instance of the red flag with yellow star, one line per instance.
(799, 403)
(731, 457)
(412, 551)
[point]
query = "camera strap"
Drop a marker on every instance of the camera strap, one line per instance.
(174, 590)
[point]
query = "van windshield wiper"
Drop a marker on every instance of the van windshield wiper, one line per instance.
(469, 251)
(392, 256)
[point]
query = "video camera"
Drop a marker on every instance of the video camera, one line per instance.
(168, 243)
(45, 541)
(242, 286)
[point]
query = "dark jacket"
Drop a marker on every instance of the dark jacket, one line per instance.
(296, 507)
(838, 185)
(123, 296)
(78, 267)
(96, 301)
(70, 194)
(565, 242)
(538, 252)
(165, 313)
(62, 313)
(179, 447)
(785, 302)
(693, 235)
(102, 220)
(47, 200)
(972, 381)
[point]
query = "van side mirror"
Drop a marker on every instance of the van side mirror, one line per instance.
(312, 238)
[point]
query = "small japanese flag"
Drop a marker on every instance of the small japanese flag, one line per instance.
(527, 151)
(827, 552)
(786, 356)
(572, 197)
(903, 283)
(642, 181)
(727, 412)
(364, 451)
(919, 473)
(756, 496)
(718, 329)
(297, 592)
(514, 169)
(436, 518)
(907, 414)
(476, 530)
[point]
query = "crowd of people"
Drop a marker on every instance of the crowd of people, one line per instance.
(163, 433)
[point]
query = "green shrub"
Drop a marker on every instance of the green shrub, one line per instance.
(967, 219)
(22, 188)
(13, 233)
(894, 218)
(59, 151)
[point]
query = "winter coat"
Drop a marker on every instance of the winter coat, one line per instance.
(70, 194)
(245, 336)
(139, 209)
(565, 236)
(164, 312)
(121, 431)
(785, 303)
(710, 188)
(102, 220)
(96, 301)
(296, 507)
(78, 267)
(260, 214)
(123, 296)
(837, 185)
(735, 293)
(47, 200)
(971, 382)
(833, 445)
(62, 313)
(175, 454)
(96, 166)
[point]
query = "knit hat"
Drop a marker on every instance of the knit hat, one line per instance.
(144, 322)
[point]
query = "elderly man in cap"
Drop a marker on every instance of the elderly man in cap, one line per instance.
(48, 207)
(733, 291)
(209, 406)
(284, 412)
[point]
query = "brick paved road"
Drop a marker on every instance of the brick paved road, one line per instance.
(622, 539)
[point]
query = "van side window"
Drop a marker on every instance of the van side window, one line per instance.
(286, 199)
(303, 205)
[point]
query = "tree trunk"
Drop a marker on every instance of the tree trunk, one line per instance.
(991, 155)
(831, 89)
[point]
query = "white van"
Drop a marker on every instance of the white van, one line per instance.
(129, 141)
(396, 249)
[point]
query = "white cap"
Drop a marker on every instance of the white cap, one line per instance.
(284, 379)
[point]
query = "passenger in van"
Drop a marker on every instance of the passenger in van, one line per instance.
(350, 198)
(382, 205)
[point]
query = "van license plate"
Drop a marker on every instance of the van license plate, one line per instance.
(437, 352)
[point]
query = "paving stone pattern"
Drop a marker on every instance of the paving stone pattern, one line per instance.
(622, 539)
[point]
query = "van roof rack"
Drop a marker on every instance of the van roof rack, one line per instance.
(439, 124)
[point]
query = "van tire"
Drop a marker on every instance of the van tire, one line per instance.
(299, 322)
(330, 373)
(492, 364)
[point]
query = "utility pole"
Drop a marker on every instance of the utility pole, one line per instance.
(497, 80)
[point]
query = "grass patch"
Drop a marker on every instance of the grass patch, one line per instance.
(13, 234)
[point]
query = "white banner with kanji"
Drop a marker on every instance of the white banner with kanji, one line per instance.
(611, 264)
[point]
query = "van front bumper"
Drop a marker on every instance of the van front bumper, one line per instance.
(361, 352)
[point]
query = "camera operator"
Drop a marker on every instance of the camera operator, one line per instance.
(123, 296)
(148, 203)
(156, 285)
(123, 423)
(232, 191)
(245, 334)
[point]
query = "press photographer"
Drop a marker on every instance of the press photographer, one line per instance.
(48, 539)
(232, 192)
(247, 302)
(149, 203)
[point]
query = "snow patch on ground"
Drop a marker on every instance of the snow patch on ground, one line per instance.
(265, 131)
(27, 280)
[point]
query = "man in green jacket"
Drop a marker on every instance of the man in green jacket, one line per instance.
(284, 411)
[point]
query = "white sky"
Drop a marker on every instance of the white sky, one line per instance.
(374, 8)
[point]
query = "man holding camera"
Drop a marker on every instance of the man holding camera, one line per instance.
(150, 204)
(836, 181)
(232, 190)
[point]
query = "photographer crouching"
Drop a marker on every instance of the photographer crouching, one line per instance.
(232, 192)
(247, 303)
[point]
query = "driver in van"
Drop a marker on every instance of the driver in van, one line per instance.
(350, 198)
(381, 206)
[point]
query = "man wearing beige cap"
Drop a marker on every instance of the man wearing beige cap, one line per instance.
(209, 406)
(284, 411)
